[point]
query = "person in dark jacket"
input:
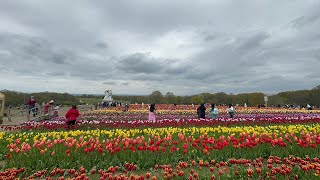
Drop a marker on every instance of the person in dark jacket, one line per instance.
(201, 110)
(32, 106)
(72, 115)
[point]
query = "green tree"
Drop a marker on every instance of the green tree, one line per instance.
(255, 99)
(155, 97)
(317, 87)
(197, 100)
(275, 100)
(170, 98)
(221, 97)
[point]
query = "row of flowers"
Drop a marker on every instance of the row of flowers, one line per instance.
(191, 110)
(213, 131)
(272, 167)
(182, 143)
(125, 122)
(175, 116)
(192, 107)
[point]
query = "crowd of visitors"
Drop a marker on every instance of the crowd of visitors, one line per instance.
(49, 108)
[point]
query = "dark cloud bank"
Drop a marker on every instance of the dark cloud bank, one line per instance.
(141, 46)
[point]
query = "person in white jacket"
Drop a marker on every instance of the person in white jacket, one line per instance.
(231, 111)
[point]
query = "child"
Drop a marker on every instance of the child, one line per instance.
(56, 111)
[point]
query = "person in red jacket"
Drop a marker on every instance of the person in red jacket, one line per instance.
(72, 115)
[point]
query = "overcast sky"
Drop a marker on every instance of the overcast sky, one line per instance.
(135, 47)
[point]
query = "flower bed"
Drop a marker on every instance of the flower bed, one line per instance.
(112, 144)
(106, 122)
(273, 167)
(39, 153)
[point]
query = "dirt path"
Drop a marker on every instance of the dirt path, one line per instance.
(18, 117)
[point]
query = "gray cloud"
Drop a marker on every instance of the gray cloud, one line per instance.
(306, 20)
(146, 64)
(110, 83)
(125, 83)
(101, 45)
(56, 73)
(254, 41)
(140, 63)
(209, 38)
(181, 46)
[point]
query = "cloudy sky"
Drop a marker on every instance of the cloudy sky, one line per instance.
(183, 46)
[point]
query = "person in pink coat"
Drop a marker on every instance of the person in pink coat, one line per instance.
(72, 115)
(152, 113)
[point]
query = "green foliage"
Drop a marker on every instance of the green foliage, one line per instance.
(255, 99)
(301, 97)
(276, 99)
(156, 97)
(197, 100)
(14, 98)
(316, 88)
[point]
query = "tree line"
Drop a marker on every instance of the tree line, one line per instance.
(14, 98)
(157, 97)
(299, 97)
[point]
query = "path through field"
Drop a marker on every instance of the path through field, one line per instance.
(19, 117)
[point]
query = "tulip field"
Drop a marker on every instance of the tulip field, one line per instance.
(116, 144)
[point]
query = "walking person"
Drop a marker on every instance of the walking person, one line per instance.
(152, 115)
(48, 108)
(126, 107)
(309, 107)
(38, 109)
(72, 115)
(214, 111)
(43, 108)
(231, 111)
(32, 106)
(201, 110)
